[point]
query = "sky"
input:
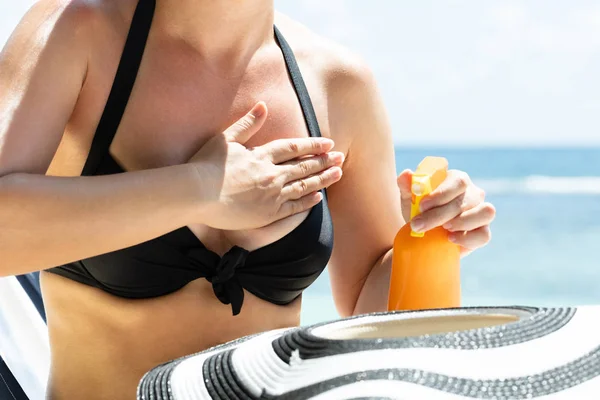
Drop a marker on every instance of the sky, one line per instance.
(465, 72)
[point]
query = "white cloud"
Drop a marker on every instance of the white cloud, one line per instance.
(464, 71)
(10, 14)
(332, 17)
(511, 16)
(519, 30)
(543, 54)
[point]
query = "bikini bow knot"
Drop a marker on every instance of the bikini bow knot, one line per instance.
(225, 285)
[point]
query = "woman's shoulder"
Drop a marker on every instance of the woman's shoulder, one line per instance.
(345, 76)
(331, 59)
(62, 28)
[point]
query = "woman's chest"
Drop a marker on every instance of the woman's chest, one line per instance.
(176, 106)
(166, 122)
(177, 103)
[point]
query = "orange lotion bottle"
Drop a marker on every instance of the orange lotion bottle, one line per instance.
(425, 266)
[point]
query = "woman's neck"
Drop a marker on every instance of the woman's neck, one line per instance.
(224, 31)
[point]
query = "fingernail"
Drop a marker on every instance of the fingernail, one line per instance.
(258, 110)
(337, 156)
(417, 224)
(424, 205)
(453, 238)
(336, 172)
(447, 226)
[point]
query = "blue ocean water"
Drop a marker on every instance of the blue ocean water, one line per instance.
(546, 236)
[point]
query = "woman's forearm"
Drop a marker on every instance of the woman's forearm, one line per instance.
(48, 221)
(374, 294)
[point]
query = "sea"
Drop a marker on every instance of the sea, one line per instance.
(546, 237)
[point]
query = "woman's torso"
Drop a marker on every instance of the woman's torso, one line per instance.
(102, 344)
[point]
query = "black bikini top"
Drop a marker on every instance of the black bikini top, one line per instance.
(277, 272)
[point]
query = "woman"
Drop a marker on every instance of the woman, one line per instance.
(220, 221)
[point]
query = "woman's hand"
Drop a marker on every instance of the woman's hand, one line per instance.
(457, 204)
(247, 188)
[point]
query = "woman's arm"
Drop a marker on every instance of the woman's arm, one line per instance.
(370, 204)
(365, 204)
(47, 221)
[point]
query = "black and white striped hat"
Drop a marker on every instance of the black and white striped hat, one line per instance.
(468, 353)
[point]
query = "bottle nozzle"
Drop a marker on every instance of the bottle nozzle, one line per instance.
(417, 189)
(428, 176)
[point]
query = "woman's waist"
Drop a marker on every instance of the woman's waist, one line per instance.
(189, 320)
(98, 339)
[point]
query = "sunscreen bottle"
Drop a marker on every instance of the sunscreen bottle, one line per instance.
(425, 266)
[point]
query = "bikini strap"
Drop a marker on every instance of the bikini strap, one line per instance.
(127, 71)
(120, 92)
(301, 91)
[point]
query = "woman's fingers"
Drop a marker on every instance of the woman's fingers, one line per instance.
(298, 189)
(244, 128)
(472, 240)
(455, 184)
(457, 205)
(404, 181)
(293, 207)
(441, 215)
(284, 150)
(300, 169)
(481, 215)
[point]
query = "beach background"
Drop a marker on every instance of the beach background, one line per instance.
(508, 91)
(546, 237)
